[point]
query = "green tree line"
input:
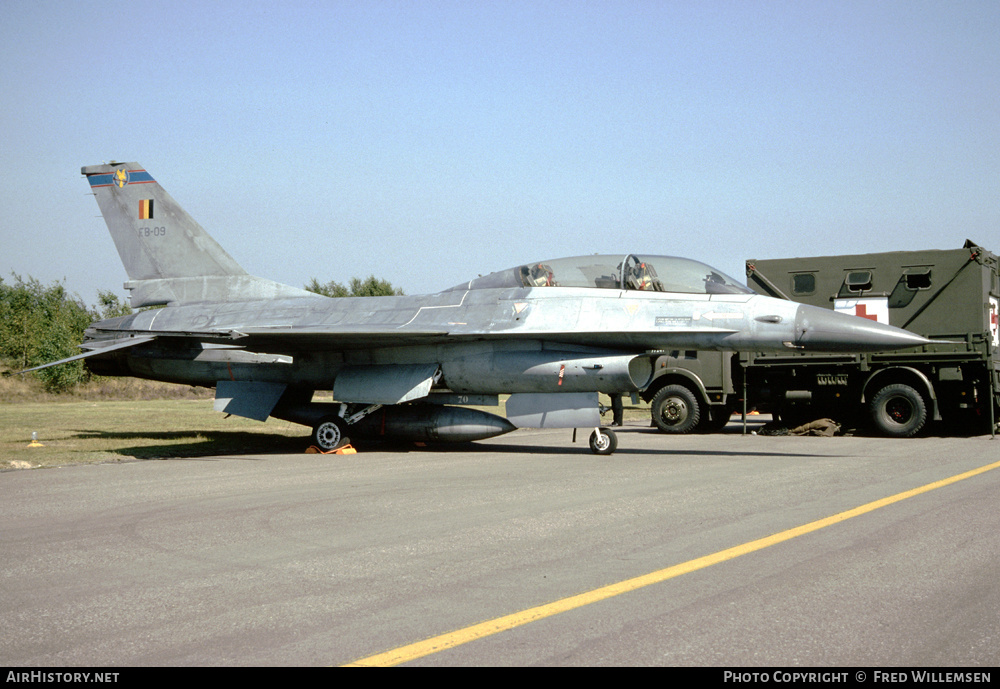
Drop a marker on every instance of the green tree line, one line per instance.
(44, 323)
(369, 287)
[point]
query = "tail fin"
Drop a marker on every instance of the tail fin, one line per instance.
(169, 257)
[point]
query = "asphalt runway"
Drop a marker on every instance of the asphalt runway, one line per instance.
(328, 560)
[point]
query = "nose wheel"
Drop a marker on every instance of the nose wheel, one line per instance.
(603, 441)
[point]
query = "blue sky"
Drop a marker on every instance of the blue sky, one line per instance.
(429, 142)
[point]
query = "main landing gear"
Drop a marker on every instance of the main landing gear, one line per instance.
(330, 433)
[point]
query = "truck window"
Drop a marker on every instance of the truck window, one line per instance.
(803, 283)
(917, 279)
(858, 281)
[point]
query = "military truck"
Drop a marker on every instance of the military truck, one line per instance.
(693, 390)
(949, 295)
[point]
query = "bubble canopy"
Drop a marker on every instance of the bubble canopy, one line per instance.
(628, 272)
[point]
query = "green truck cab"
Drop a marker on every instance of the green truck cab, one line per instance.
(692, 390)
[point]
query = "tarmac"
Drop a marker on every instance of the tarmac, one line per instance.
(725, 550)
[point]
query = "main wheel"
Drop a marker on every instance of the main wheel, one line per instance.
(329, 433)
(603, 441)
(898, 411)
(715, 420)
(676, 410)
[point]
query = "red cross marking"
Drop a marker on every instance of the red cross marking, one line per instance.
(861, 311)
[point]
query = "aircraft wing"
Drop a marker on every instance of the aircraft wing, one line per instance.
(289, 340)
(286, 340)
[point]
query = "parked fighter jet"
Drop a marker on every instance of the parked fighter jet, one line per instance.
(552, 334)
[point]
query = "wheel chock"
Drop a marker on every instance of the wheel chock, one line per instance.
(345, 450)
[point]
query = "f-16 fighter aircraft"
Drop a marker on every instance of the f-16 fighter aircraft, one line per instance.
(551, 334)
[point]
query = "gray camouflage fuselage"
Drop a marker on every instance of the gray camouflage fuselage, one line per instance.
(486, 341)
(551, 334)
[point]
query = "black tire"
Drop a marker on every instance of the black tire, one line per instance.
(603, 441)
(330, 433)
(715, 420)
(675, 409)
(898, 411)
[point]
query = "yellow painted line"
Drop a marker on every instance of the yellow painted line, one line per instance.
(500, 624)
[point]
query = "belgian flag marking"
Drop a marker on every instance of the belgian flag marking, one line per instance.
(146, 209)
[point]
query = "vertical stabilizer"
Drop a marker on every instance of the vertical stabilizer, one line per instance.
(168, 256)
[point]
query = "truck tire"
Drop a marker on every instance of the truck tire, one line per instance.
(675, 409)
(716, 418)
(898, 411)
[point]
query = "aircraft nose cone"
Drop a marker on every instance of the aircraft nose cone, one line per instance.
(826, 330)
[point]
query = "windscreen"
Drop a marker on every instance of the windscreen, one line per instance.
(628, 272)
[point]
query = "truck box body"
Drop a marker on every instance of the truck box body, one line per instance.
(947, 295)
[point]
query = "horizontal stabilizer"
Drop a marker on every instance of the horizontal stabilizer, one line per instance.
(119, 344)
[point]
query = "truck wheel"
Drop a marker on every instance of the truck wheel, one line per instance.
(603, 441)
(329, 433)
(715, 419)
(898, 411)
(676, 410)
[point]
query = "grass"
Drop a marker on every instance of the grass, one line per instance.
(121, 419)
(88, 432)
(27, 388)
